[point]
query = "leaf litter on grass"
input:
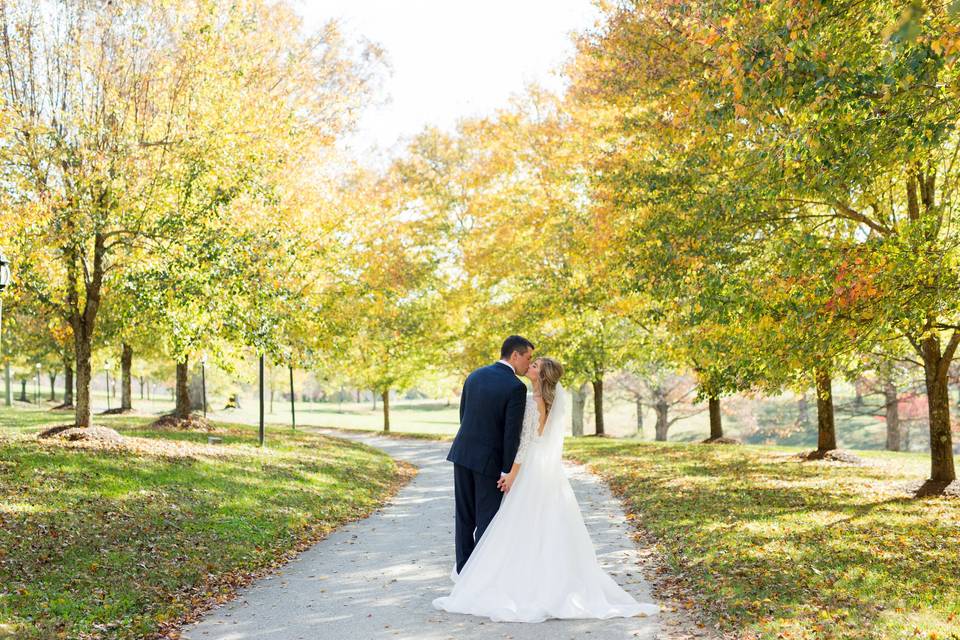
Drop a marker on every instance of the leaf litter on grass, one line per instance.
(774, 547)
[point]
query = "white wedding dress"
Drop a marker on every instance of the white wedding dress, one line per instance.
(535, 560)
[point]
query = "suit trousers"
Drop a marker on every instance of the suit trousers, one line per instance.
(477, 501)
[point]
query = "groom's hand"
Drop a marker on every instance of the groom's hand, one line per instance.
(505, 482)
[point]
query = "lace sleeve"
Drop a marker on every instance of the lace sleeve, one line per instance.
(529, 428)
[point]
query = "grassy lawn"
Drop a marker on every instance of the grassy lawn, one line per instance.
(776, 548)
(767, 421)
(405, 416)
(125, 544)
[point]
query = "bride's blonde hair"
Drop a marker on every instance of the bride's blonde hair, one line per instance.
(550, 373)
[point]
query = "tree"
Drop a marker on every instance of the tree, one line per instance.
(514, 180)
(669, 391)
(178, 127)
(633, 388)
(394, 302)
(31, 340)
(823, 125)
(892, 375)
(74, 151)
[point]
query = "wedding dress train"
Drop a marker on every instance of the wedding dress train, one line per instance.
(535, 560)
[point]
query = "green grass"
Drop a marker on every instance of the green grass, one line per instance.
(405, 416)
(777, 548)
(768, 421)
(112, 544)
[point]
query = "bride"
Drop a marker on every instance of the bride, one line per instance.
(535, 560)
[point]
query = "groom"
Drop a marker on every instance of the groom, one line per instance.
(491, 414)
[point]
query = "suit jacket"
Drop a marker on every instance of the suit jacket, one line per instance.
(491, 416)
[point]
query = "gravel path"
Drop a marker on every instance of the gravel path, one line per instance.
(376, 578)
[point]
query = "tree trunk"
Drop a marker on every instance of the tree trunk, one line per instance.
(53, 385)
(386, 411)
(662, 424)
(84, 374)
(716, 424)
(182, 409)
(23, 391)
(935, 368)
(579, 401)
(826, 428)
(83, 318)
(639, 416)
(662, 409)
(358, 396)
(67, 383)
(893, 416)
(141, 380)
(126, 363)
(598, 405)
(374, 394)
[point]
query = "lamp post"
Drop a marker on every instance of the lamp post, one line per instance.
(36, 390)
(106, 370)
(293, 401)
(4, 282)
(261, 399)
(203, 382)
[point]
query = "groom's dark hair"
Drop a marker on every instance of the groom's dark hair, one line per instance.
(514, 343)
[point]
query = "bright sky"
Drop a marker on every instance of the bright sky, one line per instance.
(454, 58)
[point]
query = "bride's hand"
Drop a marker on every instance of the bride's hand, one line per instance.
(507, 481)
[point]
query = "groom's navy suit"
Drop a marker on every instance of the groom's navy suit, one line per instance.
(491, 415)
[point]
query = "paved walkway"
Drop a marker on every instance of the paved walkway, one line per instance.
(376, 578)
